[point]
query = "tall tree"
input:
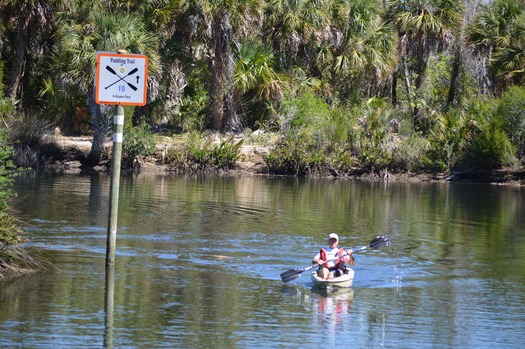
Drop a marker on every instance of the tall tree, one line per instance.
(423, 26)
(173, 25)
(296, 29)
(32, 23)
(225, 22)
(338, 42)
(497, 36)
(365, 54)
(258, 86)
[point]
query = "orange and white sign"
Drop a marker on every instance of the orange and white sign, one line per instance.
(121, 79)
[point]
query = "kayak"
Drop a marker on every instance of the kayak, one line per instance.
(344, 280)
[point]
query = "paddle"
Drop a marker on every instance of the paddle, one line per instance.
(293, 274)
(111, 70)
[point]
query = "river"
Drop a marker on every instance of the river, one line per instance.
(198, 263)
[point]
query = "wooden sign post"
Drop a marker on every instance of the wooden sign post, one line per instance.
(120, 79)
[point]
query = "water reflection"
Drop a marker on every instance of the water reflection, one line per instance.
(333, 307)
(198, 264)
(109, 306)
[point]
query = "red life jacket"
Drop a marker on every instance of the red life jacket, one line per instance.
(340, 253)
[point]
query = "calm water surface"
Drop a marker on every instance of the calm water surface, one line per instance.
(198, 263)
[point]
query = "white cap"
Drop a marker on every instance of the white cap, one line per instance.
(333, 236)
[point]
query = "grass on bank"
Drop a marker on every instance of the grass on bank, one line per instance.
(198, 154)
(14, 260)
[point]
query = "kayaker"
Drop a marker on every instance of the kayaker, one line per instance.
(332, 258)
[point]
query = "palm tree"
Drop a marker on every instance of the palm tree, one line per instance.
(296, 28)
(509, 62)
(256, 80)
(423, 26)
(367, 48)
(223, 23)
(74, 60)
(34, 21)
(334, 42)
(497, 35)
(338, 42)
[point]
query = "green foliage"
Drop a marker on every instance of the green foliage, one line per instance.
(313, 137)
(321, 139)
(138, 142)
(7, 170)
(1, 78)
(498, 33)
(296, 156)
(198, 154)
(257, 85)
(431, 99)
(10, 235)
(64, 107)
(301, 70)
(488, 145)
(410, 154)
(310, 110)
(9, 230)
(311, 116)
(375, 118)
(511, 111)
(491, 146)
(448, 139)
(6, 104)
(226, 154)
(191, 115)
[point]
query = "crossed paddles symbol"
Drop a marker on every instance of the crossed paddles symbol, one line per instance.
(122, 78)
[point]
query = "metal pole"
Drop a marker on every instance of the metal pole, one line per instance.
(118, 132)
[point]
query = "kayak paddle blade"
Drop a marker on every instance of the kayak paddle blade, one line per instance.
(291, 274)
(379, 242)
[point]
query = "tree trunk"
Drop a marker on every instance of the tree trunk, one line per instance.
(394, 87)
(217, 76)
(19, 58)
(232, 123)
(454, 78)
(224, 116)
(97, 149)
(410, 95)
(101, 126)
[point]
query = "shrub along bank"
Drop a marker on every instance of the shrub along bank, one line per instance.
(313, 139)
(11, 256)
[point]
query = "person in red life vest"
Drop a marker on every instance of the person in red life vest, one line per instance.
(333, 258)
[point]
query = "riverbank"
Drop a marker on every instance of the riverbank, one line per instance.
(251, 162)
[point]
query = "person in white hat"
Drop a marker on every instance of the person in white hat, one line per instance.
(332, 258)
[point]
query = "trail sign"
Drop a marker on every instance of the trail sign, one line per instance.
(121, 79)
